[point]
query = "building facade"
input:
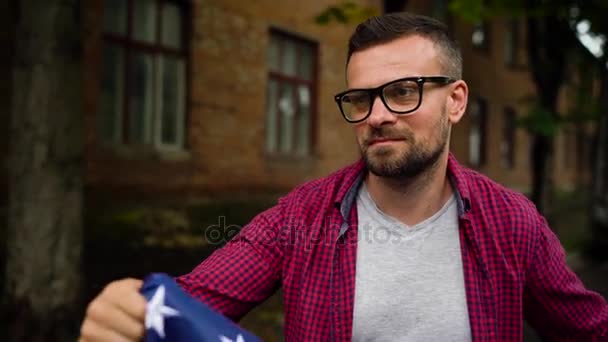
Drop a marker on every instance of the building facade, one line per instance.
(219, 96)
(205, 97)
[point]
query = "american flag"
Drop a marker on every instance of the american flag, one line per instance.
(172, 315)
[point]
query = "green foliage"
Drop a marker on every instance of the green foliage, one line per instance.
(470, 10)
(584, 105)
(582, 115)
(344, 13)
(547, 123)
(585, 108)
(540, 121)
(126, 218)
(474, 11)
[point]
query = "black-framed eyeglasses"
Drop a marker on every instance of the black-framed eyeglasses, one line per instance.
(401, 96)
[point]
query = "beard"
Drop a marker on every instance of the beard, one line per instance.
(399, 163)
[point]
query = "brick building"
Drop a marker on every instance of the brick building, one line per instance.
(250, 96)
(501, 92)
(205, 96)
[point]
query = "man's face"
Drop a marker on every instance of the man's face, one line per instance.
(393, 145)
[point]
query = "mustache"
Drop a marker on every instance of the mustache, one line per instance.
(384, 133)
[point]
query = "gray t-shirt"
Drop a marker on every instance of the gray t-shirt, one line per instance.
(409, 279)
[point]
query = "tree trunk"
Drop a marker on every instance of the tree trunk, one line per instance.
(548, 38)
(44, 240)
(541, 159)
(599, 204)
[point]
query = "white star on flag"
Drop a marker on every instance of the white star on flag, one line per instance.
(239, 338)
(156, 311)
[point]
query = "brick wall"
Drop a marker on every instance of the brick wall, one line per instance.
(228, 77)
(227, 104)
(502, 85)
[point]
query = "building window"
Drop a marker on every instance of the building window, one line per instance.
(143, 76)
(477, 132)
(481, 36)
(291, 95)
(512, 43)
(507, 145)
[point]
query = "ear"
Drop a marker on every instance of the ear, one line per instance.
(457, 101)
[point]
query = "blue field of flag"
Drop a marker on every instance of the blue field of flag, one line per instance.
(173, 315)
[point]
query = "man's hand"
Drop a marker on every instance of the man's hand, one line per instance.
(116, 314)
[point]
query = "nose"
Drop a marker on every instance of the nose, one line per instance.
(380, 115)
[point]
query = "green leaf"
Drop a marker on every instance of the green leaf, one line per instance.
(322, 19)
(540, 121)
(469, 10)
(344, 13)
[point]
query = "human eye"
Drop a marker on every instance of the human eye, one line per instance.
(356, 99)
(401, 90)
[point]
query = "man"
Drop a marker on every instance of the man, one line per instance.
(405, 244)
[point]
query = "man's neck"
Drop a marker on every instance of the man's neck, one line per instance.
(412, 200)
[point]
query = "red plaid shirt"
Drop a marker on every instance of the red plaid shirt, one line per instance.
(514, 266)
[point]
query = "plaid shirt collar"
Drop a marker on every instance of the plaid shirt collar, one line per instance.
(347, 194)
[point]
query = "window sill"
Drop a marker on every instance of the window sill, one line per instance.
(173, 155)
(147, 152)
(290, 162)
(289, 158)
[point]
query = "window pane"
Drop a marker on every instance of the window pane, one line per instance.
(509, 48)
(475, 134)
(510, 42)
(172, 116)
(287, 110)
(474, 142)
(273, 53)
(115, 16)
(289, 58)
(507, 147)
(291, 63)
(271, 116)
(141, 92)
(109, 119)
(306, 62)
(144, 24)
(172, 26)
(480, 35)
(303, 121)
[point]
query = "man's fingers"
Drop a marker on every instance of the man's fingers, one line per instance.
(132, 282)
(107, 315)
(126, 297)
(116, 314)
(92, 332)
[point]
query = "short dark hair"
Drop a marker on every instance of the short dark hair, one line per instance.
(385, 28)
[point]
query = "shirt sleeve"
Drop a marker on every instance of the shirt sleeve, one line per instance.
(556, 303)
(243, 273)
